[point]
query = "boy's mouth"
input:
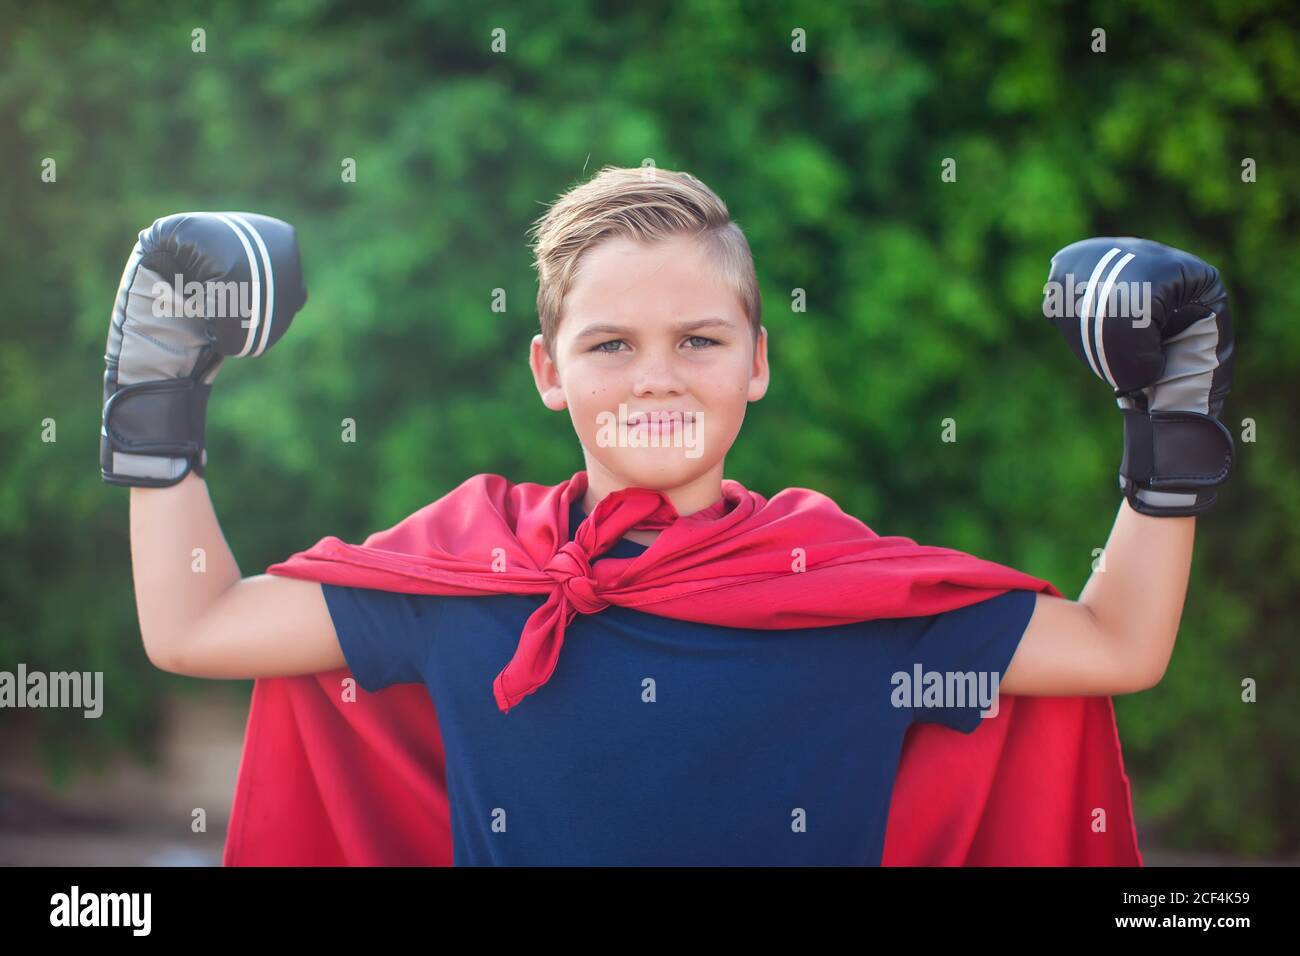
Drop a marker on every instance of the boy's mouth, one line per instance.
(672, 418)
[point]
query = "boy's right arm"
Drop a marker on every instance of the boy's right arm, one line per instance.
(198, 617)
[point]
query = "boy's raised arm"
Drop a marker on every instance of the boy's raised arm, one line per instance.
(1153, 323)
(1118, 637)
(198, 288)
(198, 617)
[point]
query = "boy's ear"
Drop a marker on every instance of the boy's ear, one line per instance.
(759, 374)
(546, 375)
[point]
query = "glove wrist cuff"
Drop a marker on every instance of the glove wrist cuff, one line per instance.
(1173, 460)
(153, 432)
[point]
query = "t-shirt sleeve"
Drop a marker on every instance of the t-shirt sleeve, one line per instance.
(970, 649)
(384, 634)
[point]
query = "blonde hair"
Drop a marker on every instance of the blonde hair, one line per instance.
(646, 204)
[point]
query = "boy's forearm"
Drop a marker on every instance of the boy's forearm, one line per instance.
(175, 584)
(1137, 594)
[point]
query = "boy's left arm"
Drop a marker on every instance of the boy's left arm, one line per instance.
(1118, 637)
(1153, 323)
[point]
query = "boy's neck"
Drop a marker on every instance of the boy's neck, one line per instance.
(686, 499)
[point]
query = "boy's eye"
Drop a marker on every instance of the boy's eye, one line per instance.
(601, 347)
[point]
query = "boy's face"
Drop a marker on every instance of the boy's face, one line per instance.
(623, 342)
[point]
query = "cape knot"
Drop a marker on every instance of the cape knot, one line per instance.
(571, 569)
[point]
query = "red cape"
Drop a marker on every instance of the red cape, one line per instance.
(329, 781)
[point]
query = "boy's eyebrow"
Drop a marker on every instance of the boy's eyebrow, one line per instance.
(690, 326)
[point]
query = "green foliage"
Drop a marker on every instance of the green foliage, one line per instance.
(924, 296)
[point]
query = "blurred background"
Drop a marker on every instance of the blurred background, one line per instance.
(923, 303)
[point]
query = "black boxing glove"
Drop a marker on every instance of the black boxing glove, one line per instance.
(199, 286)
(1153, 323)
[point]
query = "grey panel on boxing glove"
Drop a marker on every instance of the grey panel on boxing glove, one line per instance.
(155, 343)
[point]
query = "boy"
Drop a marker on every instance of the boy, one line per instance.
(753, 713)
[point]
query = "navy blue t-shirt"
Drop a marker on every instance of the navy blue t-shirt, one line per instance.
(665, 742)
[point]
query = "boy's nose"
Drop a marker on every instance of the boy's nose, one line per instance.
(657, 376)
